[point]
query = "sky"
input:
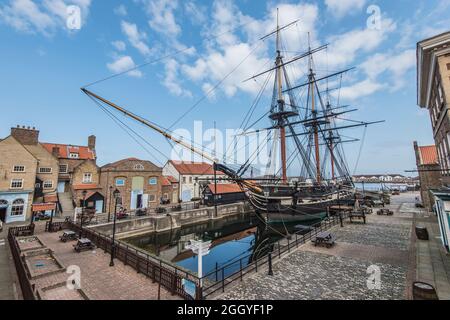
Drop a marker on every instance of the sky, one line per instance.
(189, 49)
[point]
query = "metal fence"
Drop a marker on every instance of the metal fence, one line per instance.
(28, 289)
(237, 269)
(167, 275)
(171, 277)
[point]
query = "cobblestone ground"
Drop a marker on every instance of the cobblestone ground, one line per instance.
(314, 276)
(313, 273)
(98, 280)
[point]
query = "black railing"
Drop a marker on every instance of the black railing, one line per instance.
(28, 290)
(237, 269)
(169, 276)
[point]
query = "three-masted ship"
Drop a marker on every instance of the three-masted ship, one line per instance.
(323, 180)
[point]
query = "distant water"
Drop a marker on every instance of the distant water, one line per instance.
(381, 186)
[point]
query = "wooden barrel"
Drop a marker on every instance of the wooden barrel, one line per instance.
(424, 291)
(422, 233)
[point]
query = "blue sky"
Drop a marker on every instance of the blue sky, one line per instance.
(43, 64)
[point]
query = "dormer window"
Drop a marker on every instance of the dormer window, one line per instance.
(74, 155)
(139, 167)
(18, 168)
(87, 178)
(45, 170)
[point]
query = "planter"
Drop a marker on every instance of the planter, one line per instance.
(422, 233)
(424, 291)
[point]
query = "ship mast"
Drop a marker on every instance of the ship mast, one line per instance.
(279, 64)
(314, 115)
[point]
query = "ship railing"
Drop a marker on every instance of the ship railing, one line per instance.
(216, 281)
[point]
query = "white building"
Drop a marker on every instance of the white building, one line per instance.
(192, 176)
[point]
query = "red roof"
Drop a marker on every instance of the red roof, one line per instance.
(225, 188)
(195, 168)
(84, 153)
(428, 155)
(38, 207)
(50, 198)
(86, 187)
(168, 181)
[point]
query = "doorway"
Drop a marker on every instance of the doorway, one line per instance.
(3, 214)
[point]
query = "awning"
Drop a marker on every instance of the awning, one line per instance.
(38, 207)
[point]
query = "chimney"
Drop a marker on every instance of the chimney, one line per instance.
(26, 136)
(55, 152)
(91, 142)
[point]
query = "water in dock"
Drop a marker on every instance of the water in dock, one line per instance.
(235, 242)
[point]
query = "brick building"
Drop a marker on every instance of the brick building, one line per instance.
(192, 176)
(433, 93)
(433, 64)
(139, 183)
(28, 173)
(429, 172)
(170, 190)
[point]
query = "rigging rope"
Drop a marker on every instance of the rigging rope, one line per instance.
(360, 149)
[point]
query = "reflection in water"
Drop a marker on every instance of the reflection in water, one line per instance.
(236, 241)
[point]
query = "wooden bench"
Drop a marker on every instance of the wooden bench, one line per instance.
(386, 212)
(357, 216)
(324, 239)
(83, 245)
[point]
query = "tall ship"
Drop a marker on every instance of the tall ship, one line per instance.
(304, 136)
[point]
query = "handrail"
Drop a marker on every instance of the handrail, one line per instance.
(28, 290)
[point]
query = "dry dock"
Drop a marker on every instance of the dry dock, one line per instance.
(385, 243)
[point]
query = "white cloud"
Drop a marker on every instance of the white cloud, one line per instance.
(162, 18)
(119, 45)
(226, 52)
(136, 38)
(171, 80)
(395, 65)
(195, 12)
(340, 8)
(122, 64)
(40, 17)
(344, 48)
(121, 10)
(360, 89)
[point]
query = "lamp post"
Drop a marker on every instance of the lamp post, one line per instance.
(116, 195)
(84, 193)
(110, 201)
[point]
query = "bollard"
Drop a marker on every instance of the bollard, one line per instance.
(270, 265)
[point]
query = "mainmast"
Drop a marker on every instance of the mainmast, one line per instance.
(314, 115)
(279, 64)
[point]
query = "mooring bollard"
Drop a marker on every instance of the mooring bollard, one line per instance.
(270, 265)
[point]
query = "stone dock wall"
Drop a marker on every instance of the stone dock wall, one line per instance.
(170, 221)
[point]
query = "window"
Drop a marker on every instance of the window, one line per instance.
(74, 155)
(16, 183)
(184, 179)
(151, 198)
(17, 207)
(153, 181)
(3, 204)
(139, 167)
(45, 170)
(448, 66)
(63, 168)
(120, 182)
(87, 178)
(190, 179)
(48, 184)
(19, 169)
(165, 196)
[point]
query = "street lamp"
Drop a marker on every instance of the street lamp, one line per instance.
(84, 193)
(116, 195)
(110, 201)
